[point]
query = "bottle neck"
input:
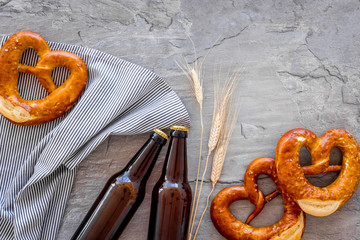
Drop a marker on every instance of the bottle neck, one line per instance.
(141, 165)
(175, 167)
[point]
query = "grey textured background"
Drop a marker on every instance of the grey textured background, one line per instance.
(299, 64)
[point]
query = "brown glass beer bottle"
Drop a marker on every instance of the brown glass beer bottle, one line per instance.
(171, 196)
(122, 194)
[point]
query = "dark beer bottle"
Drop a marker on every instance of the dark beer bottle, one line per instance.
(171, 196)
(122, 194)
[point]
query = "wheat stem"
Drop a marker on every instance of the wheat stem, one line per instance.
(213, 138)
(199, 192)
(223, 134)
(197, 175)
(202, 215)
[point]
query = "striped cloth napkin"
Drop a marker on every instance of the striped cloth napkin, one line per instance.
(38, 163)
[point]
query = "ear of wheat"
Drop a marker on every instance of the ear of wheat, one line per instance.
(216, 126)
(219, 136)
(193, 73)
(218, 162)
(221, 150)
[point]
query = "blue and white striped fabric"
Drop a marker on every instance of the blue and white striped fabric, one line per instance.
(38, 163)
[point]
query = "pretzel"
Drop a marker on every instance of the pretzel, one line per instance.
(60, 99)
(291, 226)
(314, 200)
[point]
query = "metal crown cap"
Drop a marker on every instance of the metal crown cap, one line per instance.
(179, 128)
(161, 133)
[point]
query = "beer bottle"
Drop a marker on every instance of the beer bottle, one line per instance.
(122, 194)
(171, 196)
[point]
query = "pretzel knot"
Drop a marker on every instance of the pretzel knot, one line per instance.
(314, 200)
(291, 225)
(59, 100)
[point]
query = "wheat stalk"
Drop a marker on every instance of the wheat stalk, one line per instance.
(220, 115)
(223, 133)
(221, 150)
(194, 74)
(213, 138)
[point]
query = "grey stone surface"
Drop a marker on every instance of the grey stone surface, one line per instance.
(299, 63)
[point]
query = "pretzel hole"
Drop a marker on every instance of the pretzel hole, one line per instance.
(325, 179)
(266, 184)
(29, 87)
(304, 157)
(29, 57)
(336, 156)
(28, 84)
(274, 209)
(241, 209)
(271, 213)
(59, 75)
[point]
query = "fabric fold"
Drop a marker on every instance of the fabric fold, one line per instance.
(38, 163)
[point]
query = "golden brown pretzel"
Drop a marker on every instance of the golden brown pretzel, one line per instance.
(291, 225)
(59, 100)
(314, 200)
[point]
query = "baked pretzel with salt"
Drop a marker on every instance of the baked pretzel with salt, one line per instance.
(60, 99)
(291, 226)
(314, 200)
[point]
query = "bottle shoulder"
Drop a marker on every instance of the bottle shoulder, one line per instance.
(125, 179)
(166, 183)
(169, 190)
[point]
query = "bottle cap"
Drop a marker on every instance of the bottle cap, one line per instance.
(179, 128)
(161, 133)
(179, 131)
